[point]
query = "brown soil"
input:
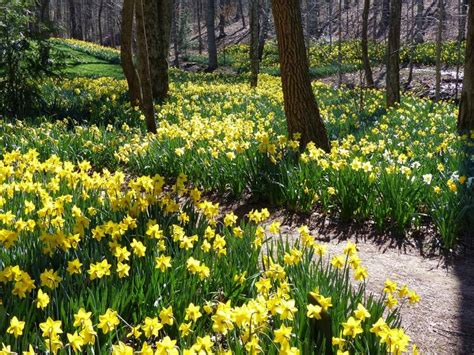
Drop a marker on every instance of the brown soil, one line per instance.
(443, 321)
(422, 83)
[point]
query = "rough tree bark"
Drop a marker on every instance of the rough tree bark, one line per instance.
(301, 108)
(126, 54)
(365, 45)
(158, 16)
(393, 53)
(466, 106)
(253, 50)
(144, 69)
(211, 35)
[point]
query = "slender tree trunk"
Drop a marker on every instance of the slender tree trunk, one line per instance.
(198, 10)
(330, 21)
(385, 19)
(242, 16)
(43, 29)
(339, 45)
(312, 17)
(253, 50)
(222, 19)
(439, 44)
(461, 37)
(393, 52)
(462, 19)
(365, 45)
(374, 24)
(126, 54)
(158, 16)
(301, 108)
(265, 27)
(419, 21)
(72, 19)
(144, 68)
(211, 35)
(466, 107)
(175, 30)
(99, 18)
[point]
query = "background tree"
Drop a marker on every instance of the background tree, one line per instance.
(466, 107)
(253, 48)
(301, 108)
(439, 46)
(211, 35)
(365, 45)
(393, 54)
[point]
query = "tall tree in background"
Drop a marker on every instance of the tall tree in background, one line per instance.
(158, 14)
(253, 50)
(175, 31)
(221, 26)
(439, 44)
(211, 35)
(265, 27)
(144, 68)
(419, 20)
(365, 45)
(393, 54)
(301, 108)
(466, 107)
(126, 52)
(385, 18)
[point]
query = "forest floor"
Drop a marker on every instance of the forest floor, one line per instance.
(422, 83)
(443, 321)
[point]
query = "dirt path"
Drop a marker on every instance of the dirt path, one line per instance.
(443, 321)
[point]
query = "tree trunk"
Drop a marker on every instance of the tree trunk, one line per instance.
(265, 28)
(126, 54)
(211, 35)
(393, 53)
(253, 50)
(301, 108)
(175, 30)
(99, 18)
(312, 17)
(419, 21)
(198, 10)
(462, 19)
(439, 44)
(466, 107)
(385, 19)
(365, 45)
(242, 16)
(339, 46)
(72, 19)
(222, 19)
(144, 69)
(158, 16)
